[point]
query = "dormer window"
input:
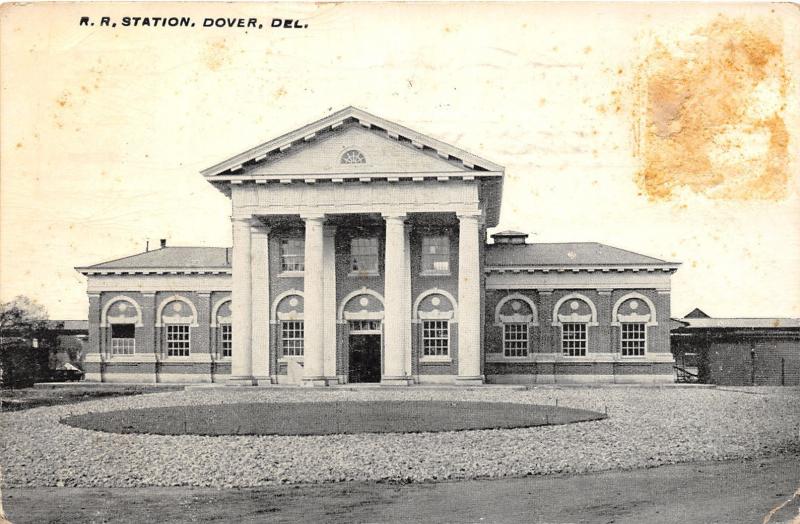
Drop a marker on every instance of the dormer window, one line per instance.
(353, 156)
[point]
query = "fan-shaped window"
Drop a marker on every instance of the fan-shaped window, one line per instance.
(353, 156)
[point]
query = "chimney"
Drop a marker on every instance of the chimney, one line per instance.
(163, 242)
(147, 245)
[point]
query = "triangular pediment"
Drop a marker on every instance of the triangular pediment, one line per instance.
(384, 147)
(330, 155)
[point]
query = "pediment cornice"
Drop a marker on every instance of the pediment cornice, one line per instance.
(468, 163)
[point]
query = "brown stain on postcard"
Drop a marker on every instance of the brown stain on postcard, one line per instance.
(708, 114)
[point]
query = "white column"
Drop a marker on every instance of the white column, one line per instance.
(407, 302)
(329, 301)
(259, 271)
(314, 310)
(241, 360)
(394, 338)
(469, 299)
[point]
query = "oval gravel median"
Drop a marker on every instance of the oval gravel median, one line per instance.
(329, 418)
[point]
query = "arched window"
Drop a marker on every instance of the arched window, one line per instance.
(221, 315)
(122, 315)
(633, 313)
(287, 310)
(435, 309)
(177, 315)
(515, 314)
(353, 156)
(574, 313)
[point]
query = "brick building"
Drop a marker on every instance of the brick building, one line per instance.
(360, 254)
(740, 351)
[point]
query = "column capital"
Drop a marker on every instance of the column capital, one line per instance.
(547, 291)
(462, 215)
(605, 291)
(392, 215)
(242, 220)
(312, 217)
(259, 228)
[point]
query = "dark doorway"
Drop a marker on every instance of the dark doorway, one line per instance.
(365, 358)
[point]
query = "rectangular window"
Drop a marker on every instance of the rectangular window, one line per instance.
(435, 338)
(293, 254)
(634, 339)
(292, 338)
(178, 340)
(573, 339)
(515, 340)
(365, 326)
(226, 340)
(436, 254)
(364, 255)
(123, 341)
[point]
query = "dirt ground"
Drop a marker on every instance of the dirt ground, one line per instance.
(723, 492)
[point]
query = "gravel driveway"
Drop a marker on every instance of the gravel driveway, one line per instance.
(646, 427)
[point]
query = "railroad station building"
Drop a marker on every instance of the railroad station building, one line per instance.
(360, 254)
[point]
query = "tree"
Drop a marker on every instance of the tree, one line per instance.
(24, 342)
(22, 315)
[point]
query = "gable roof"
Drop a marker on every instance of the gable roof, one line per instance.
(569, 254)
(697, 313)
(350, 115)
(176, 258)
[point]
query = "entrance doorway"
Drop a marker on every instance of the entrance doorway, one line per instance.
(365, 352)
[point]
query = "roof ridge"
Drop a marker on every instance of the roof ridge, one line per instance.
(156, 250)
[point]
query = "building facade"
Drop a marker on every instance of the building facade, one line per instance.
(739, 351)
(360, 254)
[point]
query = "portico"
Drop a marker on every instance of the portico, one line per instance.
(325, 311)
(354, 190)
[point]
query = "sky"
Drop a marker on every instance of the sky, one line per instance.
(103, 131)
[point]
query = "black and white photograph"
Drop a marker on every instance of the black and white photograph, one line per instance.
(447, 262)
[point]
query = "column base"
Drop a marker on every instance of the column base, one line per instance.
(396, 381)
(471, 381)
(240, 381)
(314, 382)
(264, 380)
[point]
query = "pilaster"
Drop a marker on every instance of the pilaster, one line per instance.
(546, 329)
(604, 338)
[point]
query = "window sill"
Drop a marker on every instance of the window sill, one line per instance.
(435, 273)
(363, 274)
(291, 274)
(435, 360)
(287, 358)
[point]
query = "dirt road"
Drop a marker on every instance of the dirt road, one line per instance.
(724, 492)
